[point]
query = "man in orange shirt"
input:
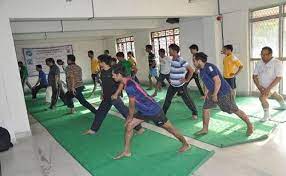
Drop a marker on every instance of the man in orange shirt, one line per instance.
(231, 67)
(95, 69)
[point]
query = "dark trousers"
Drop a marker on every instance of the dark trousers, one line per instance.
(104, 108)
(78, 95)
(36, 89)
(197, 80)
(136, 79)
(133, 75)
(183, 92)
(57, 91)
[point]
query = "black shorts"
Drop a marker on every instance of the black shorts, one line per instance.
(231, 82)
(163, 77)
(159, 119)
(95, 77)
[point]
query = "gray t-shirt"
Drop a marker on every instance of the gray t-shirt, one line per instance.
(54, 71)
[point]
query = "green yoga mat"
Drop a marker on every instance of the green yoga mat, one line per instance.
(153, 153)
(250, 105)
(224, 129)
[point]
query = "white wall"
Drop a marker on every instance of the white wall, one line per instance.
(49, 9)
(244, 5)
(154, 8)
(12, 105)
(80, 49)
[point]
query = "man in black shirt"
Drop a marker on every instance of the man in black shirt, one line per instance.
(153, 71)
(109, 87)
(54, 82)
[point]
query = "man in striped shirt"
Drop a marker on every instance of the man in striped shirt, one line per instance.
(75, 85)
(180, 74)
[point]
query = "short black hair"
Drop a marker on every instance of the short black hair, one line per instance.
(106, 51)
(120, 54)
(175, 47)
(201, 56)
(118, 69)
(20, 63)
(106, 59)
(71, 57)
(113, 59)
(228, 47)
(149, 47)
(268, 49)
(50, 60)
(194, 46)
(131, 53)
(59, 60)
(39, 66)
(90, 52)
(161, 50)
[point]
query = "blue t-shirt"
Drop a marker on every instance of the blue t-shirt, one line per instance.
(207, 73)
(144, 104)
(43, 78)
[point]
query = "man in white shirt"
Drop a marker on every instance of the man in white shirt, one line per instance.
(165, 66)
(267, 75)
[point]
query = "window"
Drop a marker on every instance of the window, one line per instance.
(268, 28)
(125, 45)
(162, 39)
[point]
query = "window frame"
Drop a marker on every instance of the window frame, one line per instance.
(164, 36)
(131, 39)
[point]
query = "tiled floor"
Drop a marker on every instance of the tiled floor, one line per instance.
(41, 155)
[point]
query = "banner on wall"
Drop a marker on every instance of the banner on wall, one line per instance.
(37, 56)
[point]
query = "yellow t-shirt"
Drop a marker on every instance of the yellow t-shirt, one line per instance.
(230, 65)
(94, 65)
(132, 61)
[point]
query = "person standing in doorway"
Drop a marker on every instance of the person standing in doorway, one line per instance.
(95, 70)
(153, 70)
(180, 74)
(231, 67)
(42, 82)
(267, 74)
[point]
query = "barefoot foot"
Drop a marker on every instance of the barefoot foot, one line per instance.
(89, 132)
(201, 132)
(250, 130)
(195, 117)
(141, 131)
(184, 148)
(122, 155)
